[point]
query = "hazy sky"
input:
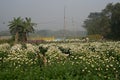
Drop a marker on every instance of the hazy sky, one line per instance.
(49, 14)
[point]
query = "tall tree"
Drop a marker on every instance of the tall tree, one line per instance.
(20, 28)
(106, 24)
(115, 22)
(27, 28)
(15, 27)
(93, 23)
(112, 12)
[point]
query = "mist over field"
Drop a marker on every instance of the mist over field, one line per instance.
(49, 14)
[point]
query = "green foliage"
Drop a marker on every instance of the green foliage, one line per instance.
(20, 28)
(43, 50)
(105, 23)
(3, 54)
(31, 56)
(115, 22)
(93, 23)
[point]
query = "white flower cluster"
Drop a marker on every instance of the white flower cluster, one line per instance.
(32, 48)
(19, 56)
(4, 46)
(98, 55)
(16, 47)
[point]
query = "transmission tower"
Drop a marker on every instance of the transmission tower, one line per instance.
(64, 33)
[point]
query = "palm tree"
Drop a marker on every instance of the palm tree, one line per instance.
(27, 28)
(15, 27)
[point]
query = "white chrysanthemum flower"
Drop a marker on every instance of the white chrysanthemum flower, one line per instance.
(4, 46)
(32, 48)
(16, 47)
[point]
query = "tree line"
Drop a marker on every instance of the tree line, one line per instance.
(105, 23)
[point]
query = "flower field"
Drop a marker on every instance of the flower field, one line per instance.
(64, 61)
